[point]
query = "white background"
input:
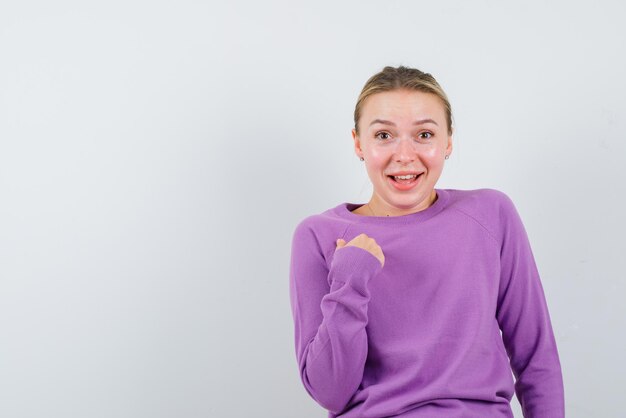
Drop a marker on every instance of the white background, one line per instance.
(156, 156)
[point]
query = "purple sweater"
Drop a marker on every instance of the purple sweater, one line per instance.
(420, 337)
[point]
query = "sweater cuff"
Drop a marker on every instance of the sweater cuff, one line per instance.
(354, 265)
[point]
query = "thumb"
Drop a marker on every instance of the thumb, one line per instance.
(340, 243)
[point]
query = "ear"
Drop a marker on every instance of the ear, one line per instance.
(357, 143)
(449, 147)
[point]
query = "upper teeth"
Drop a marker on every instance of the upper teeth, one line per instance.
(408, 176)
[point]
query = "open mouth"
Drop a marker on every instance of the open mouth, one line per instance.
(405, 179)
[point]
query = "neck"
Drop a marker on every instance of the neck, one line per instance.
(378, 208)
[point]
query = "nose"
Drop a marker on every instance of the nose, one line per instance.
(406, 150)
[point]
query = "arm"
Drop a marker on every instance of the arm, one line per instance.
(330, 320)
(525, 322)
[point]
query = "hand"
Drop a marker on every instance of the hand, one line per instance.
(365, 242)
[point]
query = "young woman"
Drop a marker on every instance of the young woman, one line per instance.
(421, 302)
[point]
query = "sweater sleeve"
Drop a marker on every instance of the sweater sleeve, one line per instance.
(329, 307)
(524, 319)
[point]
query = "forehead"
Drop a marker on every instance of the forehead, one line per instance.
(401, 104)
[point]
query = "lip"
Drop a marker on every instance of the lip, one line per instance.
(405, 187)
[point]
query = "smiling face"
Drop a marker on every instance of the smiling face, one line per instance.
(402, 131)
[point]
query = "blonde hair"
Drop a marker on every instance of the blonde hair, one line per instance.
(395, 78)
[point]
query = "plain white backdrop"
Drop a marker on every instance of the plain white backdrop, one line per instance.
(156, 156)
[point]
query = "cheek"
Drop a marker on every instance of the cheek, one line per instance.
(377, 153)
(431, 153)
(377, 158)
(432, 156)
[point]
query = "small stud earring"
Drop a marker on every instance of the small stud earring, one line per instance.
(362, 159)
(447, 156)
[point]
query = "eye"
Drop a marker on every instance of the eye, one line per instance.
(382, 135)
(425, 135)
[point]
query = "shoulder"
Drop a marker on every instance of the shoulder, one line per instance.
(480, 201)
(477, 197)
(319, 231)
(318, 222)
(493, 209)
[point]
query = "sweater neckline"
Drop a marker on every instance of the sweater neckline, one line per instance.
(345, 208)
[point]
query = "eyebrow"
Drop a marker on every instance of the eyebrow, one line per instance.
(417, 122)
